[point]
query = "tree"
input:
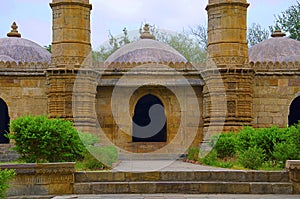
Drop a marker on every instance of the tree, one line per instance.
(183, 42)
(113, 45)
(256, 34)
(289, 21)
(200, 33)
(48, 48)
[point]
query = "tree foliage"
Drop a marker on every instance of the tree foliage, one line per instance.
(289, 21)
(200, 34)
(183, 42)
(256, 34)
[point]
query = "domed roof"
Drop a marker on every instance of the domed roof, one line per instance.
(15, 48)
(276, 49)
(146, 50)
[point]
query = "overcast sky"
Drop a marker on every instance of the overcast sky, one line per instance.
(34, 16)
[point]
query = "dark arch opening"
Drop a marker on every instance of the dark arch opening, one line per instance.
(4, 122)
(149, 120)
(294, 115)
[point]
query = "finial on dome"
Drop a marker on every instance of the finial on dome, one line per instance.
(146, 34)
(14, 31)
(278, 33)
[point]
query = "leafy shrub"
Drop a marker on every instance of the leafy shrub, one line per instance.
(6, 176)
(97, 157)
(252, 158)
(270, 147)
(40, 139)
(264, 138)
(193, 153)
(226, 145)
(88, 139)
(100, 157)
(211, 159)
(213, 139)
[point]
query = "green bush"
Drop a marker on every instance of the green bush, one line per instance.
(100, 157)
(252, 158)
(226, 145)
(211, 159)
(97, 157)
(264, 138)
(270, 147)
(40, 139)
(193, 153)
(6, 176)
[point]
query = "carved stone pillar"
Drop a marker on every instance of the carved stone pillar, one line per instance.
(228, 76)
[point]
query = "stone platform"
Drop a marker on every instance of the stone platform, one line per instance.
(153, 177)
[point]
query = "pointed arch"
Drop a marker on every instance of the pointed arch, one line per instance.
(149, 120)
(294, 115)
(4, 122)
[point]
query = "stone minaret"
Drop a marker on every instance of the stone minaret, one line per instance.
(72, 85)
(228, 77)
(71, 42)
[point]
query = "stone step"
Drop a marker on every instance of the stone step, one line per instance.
(191, 187)
(211, 175)
(151, 156)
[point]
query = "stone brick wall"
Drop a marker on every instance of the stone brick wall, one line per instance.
(7, 154)
(24, 94)
(178, 135)
(274, 90)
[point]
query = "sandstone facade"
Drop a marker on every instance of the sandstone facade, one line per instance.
(229, 90)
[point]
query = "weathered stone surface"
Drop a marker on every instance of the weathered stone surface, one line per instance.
(42, 179)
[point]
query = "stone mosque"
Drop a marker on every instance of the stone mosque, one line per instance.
(236, 87)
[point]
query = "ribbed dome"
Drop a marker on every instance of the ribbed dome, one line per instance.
(22, 50)
(276, 49)
(146, 50)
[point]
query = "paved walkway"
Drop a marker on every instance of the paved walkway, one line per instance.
(181, 196)
(161, 165)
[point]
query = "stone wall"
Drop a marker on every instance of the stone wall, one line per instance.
(275, 88)
(24, 94)
(121, 135)
(42, 179)
(7, 154)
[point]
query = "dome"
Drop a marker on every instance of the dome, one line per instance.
(146, 50)
(15, 48)
(276, 49)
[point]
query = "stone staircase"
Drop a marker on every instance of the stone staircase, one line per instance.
(184, 182)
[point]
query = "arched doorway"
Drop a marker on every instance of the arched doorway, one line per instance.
(149, 120)
(294, 115)
(4, 122)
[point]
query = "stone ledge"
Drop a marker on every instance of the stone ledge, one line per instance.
(42, 179)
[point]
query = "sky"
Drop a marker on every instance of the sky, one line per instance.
(34, 17)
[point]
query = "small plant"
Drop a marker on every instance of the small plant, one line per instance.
(40, 139)
(100, 157)
(6, 176)
(213, 139)
(252, 158)
(210, 159)
(226, 145)
(193, 153)
(97, 157)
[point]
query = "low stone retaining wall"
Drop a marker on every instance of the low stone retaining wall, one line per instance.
(7, 154)
(42, 179)
(61, 179)
(293, 167)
